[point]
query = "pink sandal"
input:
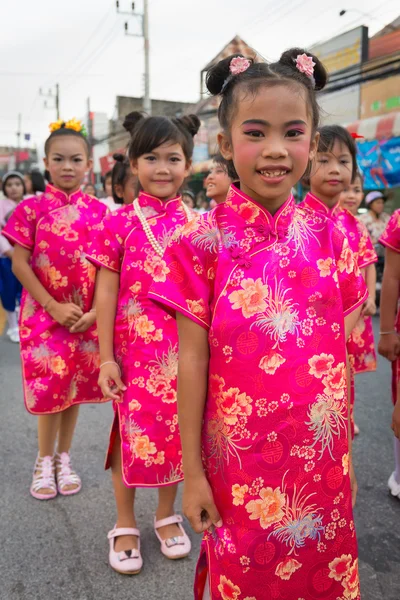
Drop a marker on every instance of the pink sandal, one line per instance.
(66, 476)
(175, 547)
(126, 562)
(44, 477)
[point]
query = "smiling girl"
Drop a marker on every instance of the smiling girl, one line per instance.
(51, 234)
(264, 292)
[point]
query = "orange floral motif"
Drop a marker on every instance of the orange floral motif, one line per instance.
(267, 508)
(142, 447)
(271, 362)
(197, 307)
(340, 567)
(321, 365)
(238, 493)
(227, 589)
(351, 582)
(345, 464)
(346, 261)
(232, 404)
(287, 567)
(58, 366)
(251, 299)
(336, 382)
(324, 266)
(134, 405)
(155, 266)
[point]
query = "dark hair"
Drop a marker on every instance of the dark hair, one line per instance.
(147, 133)
(38, 182)
(360, 176)
(64, 131)
(47, 176)
(119, 175)
(225, 164)
(12, 175)
(329, 134)
(108, 175)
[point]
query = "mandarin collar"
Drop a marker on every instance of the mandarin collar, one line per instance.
(257, 216)
(53, 193)
(159, 206)
(316, 204)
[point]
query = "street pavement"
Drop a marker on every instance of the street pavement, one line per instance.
(58, 550)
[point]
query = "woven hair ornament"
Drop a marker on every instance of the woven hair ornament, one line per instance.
(71, 124)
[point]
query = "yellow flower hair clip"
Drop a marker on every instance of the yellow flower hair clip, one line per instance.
(73, 124)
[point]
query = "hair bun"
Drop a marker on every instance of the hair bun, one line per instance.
(131, 120)
(118, 157)
(219, 73)
(320, 75)
(191, 123)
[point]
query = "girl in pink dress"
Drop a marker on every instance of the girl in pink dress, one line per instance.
(389, 343)
(264, 292)
(51, 234)
(335, 168)
(139, 340)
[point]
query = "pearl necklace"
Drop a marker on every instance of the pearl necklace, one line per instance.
(147, 229)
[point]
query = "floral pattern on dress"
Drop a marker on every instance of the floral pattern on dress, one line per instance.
(145, 342)
(60, 368)
(275, 445)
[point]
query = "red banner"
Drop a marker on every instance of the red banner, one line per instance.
(107, 162)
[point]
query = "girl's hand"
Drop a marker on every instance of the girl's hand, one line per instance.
(396, 420)
(369, 308)
(389, 346)
(86, 321)
(353, 483)
(198, 504)
(110, 381)
(65, 314)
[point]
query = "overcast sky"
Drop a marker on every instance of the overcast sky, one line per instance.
(81, 44)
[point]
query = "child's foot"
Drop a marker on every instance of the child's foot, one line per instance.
(173, 539)
(126, 542)
(124, 557)
(68, 482)
(356, 429)
(44, 483)
(394, 487)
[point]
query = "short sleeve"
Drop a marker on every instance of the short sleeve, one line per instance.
(351, 283)
(366, 251)
(188, 288)
(21, 226)
(107, 249)
(391, 236)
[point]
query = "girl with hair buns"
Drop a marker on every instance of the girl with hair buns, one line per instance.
(52, 233)
(265, 293)
(139, 340)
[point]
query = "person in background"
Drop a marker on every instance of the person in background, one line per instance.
(90, 190)
(352, 196)
(375, 220)
(218, 181)
(110, 199)
(188, 198)
(13, 188)
(34, 183)
(124, 184)
(202, 203)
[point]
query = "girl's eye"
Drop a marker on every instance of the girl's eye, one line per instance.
(175, 159)
(254, 133)
(323, 160)
(150, 158)
(345, 162)
(294, 133)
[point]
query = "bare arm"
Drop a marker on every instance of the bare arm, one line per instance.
(65, 314)
(198, 502)
(389, 344)
(369, 307)
(107, 290)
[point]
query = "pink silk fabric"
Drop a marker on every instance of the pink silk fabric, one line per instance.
(60, 368)
(272, 292)
(145, 342)
(391, 240)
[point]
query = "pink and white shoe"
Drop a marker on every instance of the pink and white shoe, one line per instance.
(44, 478)
(66, 476)
(126, 562)
(175, 547)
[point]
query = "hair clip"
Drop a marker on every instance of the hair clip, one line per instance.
(355, 136)
(71, 124)
(305, 64)
(238, 64)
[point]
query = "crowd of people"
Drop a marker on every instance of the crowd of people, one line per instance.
(227, 334)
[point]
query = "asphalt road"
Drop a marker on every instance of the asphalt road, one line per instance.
(58, 550)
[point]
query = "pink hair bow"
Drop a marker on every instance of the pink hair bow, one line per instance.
(305, 64)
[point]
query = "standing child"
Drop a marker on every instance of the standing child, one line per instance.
(51, 234)
(123, 182)
(334, 171)
(13, 187)
(109, 199)
(265, 292)
(139, 340)
(389, 343)
(218, 181)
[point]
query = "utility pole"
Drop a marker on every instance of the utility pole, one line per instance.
(18, 142)
(53, 95)
(144, 18)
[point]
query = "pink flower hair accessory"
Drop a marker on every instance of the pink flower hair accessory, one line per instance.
(238, 65)
(305, 64)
